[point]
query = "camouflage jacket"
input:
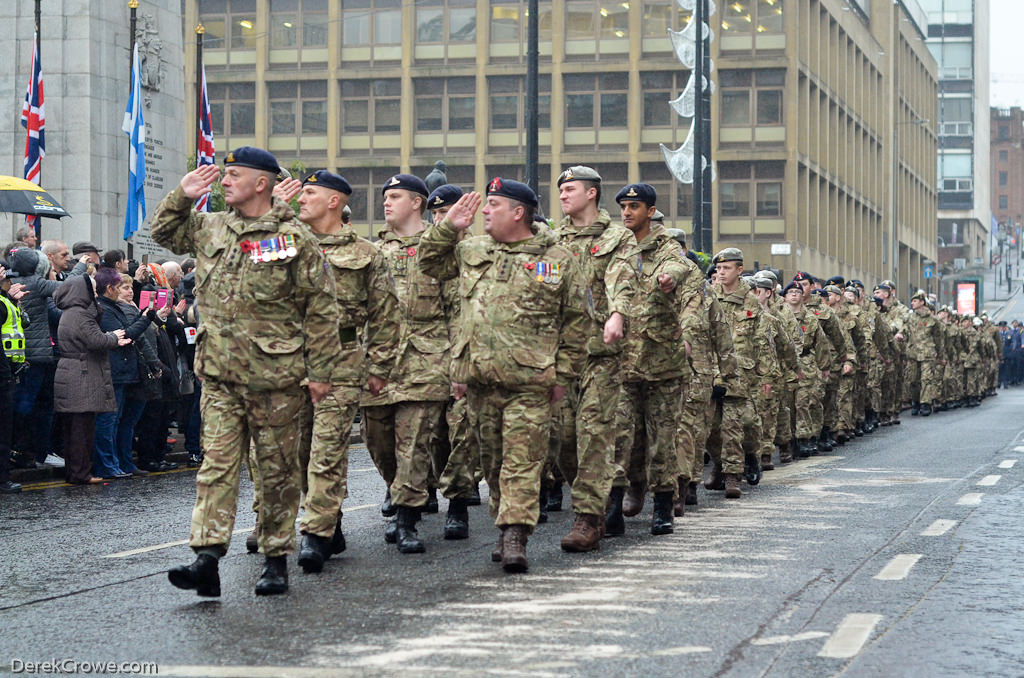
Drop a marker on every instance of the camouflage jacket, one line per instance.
(839, 349)
(369, 322)
(266, 325)
(422, 357)
(524, 317)
(609, 261)
(654, 346)
(785, 347)
(815, 350)
(972, 354)
(743, 314)
(710, 337)
(926, 338)
(854, 333)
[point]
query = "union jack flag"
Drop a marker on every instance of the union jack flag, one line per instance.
(33, 119)
(204, 147)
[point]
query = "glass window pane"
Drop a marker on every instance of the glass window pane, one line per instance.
(242, 90)
(735, 108)
(769, 199)
(581, 110)
(355, 116)
(243, 32)
(314, 117)
(544, 111)
(657, 110)
(429, 25)
(769, 107)
(736, 17)
(462, 25)
(428, 114)
(387, 115)
(314, 30)
(243, 118)
(575, 82)
(282, 30)
(614, 21)
(461, 113)
(770, 76)
(504, 23)
(217, 117)
(504, 112)
(735, 199)
(356, 28)
(657, 19)
(387, 26)
(735, 78)
(282, 117)
(613, 110)
(579, 20)
(769, 16)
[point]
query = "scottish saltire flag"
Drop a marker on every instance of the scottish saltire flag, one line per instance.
(135, 128)
(204, 149)
(33, 119)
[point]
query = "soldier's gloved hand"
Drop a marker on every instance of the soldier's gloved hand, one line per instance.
(718, 392)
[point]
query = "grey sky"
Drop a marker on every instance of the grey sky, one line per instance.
(1006, 49)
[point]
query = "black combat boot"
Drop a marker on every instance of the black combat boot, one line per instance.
(858, 430)
(716, 481)
(337, 540)
(803, 449)
(391, 530)
(456, 523)
(431, 506)
(387, 509)
(691, 493)
(474, 499)
(751, 468)
(661, 520)
(926, 409)
(812, 447)
(252, 540)
(406, 538)
(201, 576)
(542, 514)
(614, 522)
(915, 409)
(554, 498)
(274, 578)
(313, 552)
(824, 442)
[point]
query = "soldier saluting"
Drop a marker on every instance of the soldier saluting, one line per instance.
(270, 321)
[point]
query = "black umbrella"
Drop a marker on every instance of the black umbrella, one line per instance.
(24, 197)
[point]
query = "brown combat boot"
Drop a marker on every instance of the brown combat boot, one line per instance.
(716, 481)
(633, 503)
(766, 463)
(679, 505)
(785, 454)
(732, 486)
(585, 534)
(513, 548)
(497, 553)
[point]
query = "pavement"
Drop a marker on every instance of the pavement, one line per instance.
(898, 555)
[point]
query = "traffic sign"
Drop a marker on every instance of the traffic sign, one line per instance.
(929, 270)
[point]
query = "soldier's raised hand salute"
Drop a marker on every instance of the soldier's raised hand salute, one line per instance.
(463, 212)
(197, 182)
(287, 189)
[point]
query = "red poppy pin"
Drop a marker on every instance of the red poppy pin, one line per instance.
(529, 266)
(817, 313)
(803, 328)
(593, 250)
(750, 314)
(411, 252)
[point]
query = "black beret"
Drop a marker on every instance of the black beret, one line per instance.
(515, 190)
(256, 158)
(857, 283)
(821, 293)
(644, 193)
(445, 195)
(791, 286)
(330, 180)
(883, 286)
(406, 182)
(803, 275)
(837, 280)
(712, 269)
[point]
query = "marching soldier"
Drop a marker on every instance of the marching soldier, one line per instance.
(924, 349)
(814, 356)
(270, 321)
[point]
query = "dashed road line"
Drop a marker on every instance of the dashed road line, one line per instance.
(779, 640)
(989, 481)
(939, 528)
(850, 637)
(898, 567)
(970, 499)
(1019, 448)
(1007, 463)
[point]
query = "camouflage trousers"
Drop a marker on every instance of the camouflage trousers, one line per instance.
(735, 430)
(931, 381)
(876, 377)
(513, 430)
(952, 382)
(860, 398)
(828, 411)
(649, 418)
(892, 389)
(807, 407)
(768, 411)
(232, 417)
(846, 403)
(912, 383)
(398, 439)
(694, 424)
(325, 460)
(586, 445)
(455, 452)
(972, 382)
(783, 415)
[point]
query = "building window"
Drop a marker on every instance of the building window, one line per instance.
(295, 23)
(596, 101)
(372, 22)
(1004, 132)
(509, 21)
(370, 106)
(230, 24)
(955, 59)
(659, 88)
(753, 16)
(508, 102)
(298, 108)
(1004, 156)
(586, 20)
(956, 171)
(750, 190)
(441, 22)
(445, 105)
(661, 15)
(233, 108)
(1002, 178)
(751, 97)
(1004, 202)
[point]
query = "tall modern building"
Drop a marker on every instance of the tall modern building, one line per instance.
(813, 97)
(958, 33)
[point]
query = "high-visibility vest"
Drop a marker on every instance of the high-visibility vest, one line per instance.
(12, 334)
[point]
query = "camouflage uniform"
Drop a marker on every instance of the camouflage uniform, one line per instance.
(925, 347)
(266, 327)
(398, 423)
(879, 356)
(521, 332)
(783, 426)
(846, 418)
(609, 261)
(656, 373)
(768, 407)
(368, 327)
(813, 355)
(824, 412)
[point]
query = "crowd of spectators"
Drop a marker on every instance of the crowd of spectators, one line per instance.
(97, 363)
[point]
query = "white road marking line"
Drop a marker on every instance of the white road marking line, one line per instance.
(686, 649)
(778, 640)
(850, 636)
(970, 499)
(989, 481)
(938, 528)
(157, 547)
(1019, 448)
(1007, 463)
(898, 567)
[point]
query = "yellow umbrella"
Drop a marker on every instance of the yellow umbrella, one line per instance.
(24, 197)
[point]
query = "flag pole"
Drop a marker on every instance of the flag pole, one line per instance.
(39, 55)
(200, 30)
(133, 6)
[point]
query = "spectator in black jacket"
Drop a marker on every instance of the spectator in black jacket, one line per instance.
(10, 317)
